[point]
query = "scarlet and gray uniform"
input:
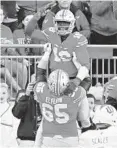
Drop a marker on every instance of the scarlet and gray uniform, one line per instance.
(60, 112)
(61, 56)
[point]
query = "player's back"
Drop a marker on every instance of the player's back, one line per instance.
(59, 112)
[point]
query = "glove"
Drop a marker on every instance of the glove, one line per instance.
(48, 47)
(29, 88)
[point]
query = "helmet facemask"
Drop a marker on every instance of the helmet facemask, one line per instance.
(64, 22)
(64, 28)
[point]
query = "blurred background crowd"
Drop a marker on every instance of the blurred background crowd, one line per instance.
(96, 20)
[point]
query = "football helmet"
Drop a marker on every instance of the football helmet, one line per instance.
(58, 82)
(106, 114)
(64, 22)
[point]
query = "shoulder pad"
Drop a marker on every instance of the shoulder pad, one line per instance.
(77, 35)
(82, 40)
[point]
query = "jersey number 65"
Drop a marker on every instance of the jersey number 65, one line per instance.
(51, 113)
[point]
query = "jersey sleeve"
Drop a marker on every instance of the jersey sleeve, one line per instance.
(48, 21)
(38, 37)
(81, 50)
(39, 91)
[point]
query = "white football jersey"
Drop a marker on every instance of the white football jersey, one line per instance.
(105, 114)
(106, 138)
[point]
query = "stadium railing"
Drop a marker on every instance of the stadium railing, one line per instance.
(103, 60)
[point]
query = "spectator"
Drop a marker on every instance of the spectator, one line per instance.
(14, 67)
(29, 8)
(8, 123)
(101, 113)
(10, 20)
(6, 38)
(19, 36)
(103, 23)
(28, 111)
(15, 71)
(105, 118)
(81, 25)
(6, 34)
(5, 74)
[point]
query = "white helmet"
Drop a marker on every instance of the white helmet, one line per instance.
(64, 22)
(58, 81)
(106, 114)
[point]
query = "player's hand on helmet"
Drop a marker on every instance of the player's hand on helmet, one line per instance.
(48, 47)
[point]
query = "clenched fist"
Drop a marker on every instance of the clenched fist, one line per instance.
(30, 87)
(48, 47)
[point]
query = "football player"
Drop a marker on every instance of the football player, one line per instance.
(101, 113)
(59, 126)
(105, 118)
(63, 44)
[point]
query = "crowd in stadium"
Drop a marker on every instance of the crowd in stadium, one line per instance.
(55, 104)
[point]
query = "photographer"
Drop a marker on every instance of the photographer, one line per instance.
(29, 112)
